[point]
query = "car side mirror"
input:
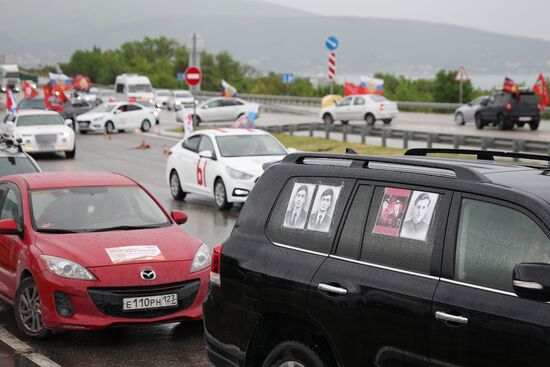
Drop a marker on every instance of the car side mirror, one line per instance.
(207, 154)
(8, 226)
(179, 217)
(532, 281)
(205, 107)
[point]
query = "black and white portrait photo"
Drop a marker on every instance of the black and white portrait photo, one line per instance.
(419, 215)
(322, 211)
(298, 205)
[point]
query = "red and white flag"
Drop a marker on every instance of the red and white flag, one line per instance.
(541, 90)
(29, 90)
(11, 103)
(187, 121)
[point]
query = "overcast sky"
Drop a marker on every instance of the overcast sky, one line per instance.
(529, 18)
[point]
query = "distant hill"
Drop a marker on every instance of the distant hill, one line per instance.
(267, 36)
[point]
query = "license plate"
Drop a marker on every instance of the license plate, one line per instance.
(525, 118)
(144, 303)
(82, 124)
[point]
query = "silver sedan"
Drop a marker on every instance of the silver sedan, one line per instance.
(467, 112)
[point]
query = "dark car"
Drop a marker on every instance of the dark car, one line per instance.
(505, 110)
(13, 160)
(396, 261)
(31, 104)
(75, 107)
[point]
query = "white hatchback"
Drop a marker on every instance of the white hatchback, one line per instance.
(223, 164)
(116, 116)
(41, 132)
(366, 107)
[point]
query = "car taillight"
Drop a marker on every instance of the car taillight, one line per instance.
(215, 266)
(508, 106)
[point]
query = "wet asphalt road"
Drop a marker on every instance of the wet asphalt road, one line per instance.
(162, 345)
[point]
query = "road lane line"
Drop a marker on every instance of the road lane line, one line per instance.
(25, 350)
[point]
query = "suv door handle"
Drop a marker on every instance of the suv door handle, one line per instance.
(331, 289)
(443, 316)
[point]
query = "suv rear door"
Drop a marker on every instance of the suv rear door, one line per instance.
(492, 326)
(373, 295)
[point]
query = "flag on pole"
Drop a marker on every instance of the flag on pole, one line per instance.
(541, 90)
(11, 103)
(187, 120)
(510, 86)
(29, 90)
(228, 90)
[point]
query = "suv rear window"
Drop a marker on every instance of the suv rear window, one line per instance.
(308, 212)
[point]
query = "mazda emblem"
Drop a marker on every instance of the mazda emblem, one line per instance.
(148, 274)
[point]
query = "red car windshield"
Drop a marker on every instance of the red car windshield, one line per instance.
(95, 209)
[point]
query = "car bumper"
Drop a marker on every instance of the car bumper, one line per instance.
(382, 115)
(90, 126)
(239, 190)
(52, 149)
(98, 304)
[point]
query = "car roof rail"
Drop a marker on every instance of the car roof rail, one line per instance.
(10, 141)
(487, 155)
(363, 161)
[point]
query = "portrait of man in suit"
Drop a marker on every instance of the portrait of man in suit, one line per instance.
(419, 216)
(320, 220)
(297, 209)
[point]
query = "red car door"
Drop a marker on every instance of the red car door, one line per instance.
(10, 244)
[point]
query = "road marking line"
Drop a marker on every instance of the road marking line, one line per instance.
(25, 350)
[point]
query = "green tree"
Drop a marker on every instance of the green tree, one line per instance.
(447, 89)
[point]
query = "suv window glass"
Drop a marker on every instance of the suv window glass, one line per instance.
(206, 144)
(401, 228)
(351, 238)
(192, 143)
(228, 103)
(491, 240)
(359, 101)
(213, 104)
(10, 206)
(308, 212)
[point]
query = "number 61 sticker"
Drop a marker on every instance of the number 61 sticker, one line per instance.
(201, 173)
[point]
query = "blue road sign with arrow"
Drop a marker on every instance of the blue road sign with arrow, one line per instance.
(332, 43)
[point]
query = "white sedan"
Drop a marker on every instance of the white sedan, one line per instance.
(224, 109)
(366, 107)
(223, 164)
(41, 132)
(119, 116)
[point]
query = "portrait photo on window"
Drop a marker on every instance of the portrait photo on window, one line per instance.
(391, 211)
(297, 209)
(320, 218)
(419, 215)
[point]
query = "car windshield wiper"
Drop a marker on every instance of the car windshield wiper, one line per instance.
(56, 230)
(122, 228)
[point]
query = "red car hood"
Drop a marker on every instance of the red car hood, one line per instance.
(120, 247)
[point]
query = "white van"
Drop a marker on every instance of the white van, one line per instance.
(10, 78)
(133, 85)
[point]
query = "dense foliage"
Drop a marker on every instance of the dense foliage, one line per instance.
(162, 58)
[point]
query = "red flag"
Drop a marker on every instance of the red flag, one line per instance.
(510, 86)
(29, 91)
(59, 93)
(47, 96)
(351, 89)
(11, 104)
(541, 90)
(52, 102)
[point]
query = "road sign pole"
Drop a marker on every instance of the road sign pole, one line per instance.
(460, 99)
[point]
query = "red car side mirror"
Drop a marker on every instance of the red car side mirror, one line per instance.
(178, 216)
(8, 226)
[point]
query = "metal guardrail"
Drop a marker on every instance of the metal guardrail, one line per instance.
(316, 101)
(457, 141)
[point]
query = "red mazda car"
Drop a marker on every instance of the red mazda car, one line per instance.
(82, 251)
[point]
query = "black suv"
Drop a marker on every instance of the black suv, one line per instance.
(349, 260)
(504, 110)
